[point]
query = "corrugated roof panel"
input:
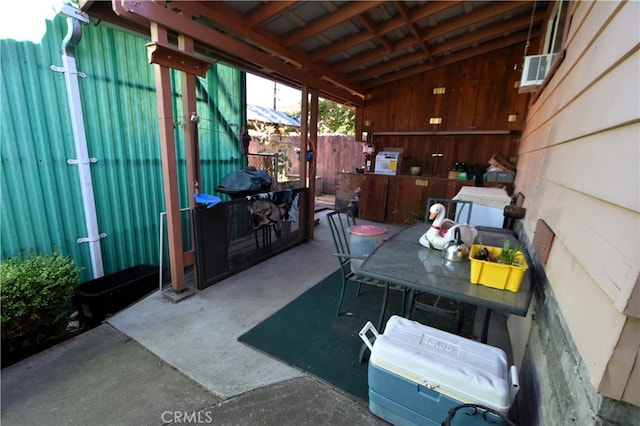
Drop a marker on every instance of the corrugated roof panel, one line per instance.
(270, 116)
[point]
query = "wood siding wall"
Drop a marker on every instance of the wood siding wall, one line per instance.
(480, 95)
(578, 168)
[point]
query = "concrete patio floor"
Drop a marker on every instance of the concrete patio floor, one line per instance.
(159, 362)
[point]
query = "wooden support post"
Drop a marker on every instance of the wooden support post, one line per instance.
(188, 84)
(169, 164)
(313, 147)
(304, 143)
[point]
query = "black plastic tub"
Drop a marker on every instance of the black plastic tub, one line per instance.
(107, 295)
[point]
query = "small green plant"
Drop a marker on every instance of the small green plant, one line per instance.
(415, 212)
(35, 295)
(507, 256)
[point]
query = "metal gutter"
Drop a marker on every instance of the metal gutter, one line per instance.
(82, 160)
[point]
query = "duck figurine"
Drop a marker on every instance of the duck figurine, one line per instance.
(442, 230)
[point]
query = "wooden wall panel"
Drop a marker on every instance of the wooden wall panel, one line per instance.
(469, 149)
(373, 200)
(480, 94)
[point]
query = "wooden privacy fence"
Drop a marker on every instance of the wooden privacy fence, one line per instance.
(335, 154)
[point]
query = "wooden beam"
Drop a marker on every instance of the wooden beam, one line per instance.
(344, 13)
(414, 58)
(175, 21)
(266, 12)
(371, 27)
(447, 60)
(430, 34)
(383, 28)
(476, 17)
(164, 96)
(507, 27)
(414, 31)
(293, 56)
(168, 56)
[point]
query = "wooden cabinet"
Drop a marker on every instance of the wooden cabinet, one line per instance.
(386, 198)
(458, 113)
(373, 199)
(410, 193)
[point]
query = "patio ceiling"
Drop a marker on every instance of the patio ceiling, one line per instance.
(342, 48)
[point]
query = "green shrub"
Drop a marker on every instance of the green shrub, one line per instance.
(35, 292)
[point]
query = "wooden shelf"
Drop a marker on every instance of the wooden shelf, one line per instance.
(445, 133)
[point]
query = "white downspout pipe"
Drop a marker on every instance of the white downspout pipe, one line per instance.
(82, 160)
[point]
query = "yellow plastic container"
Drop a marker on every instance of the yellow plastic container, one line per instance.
(497, 275)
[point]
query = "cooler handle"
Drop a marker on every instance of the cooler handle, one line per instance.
(363, 334)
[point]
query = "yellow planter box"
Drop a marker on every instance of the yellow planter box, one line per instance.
(497, 275)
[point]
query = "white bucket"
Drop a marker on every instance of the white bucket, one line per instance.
(363, 239)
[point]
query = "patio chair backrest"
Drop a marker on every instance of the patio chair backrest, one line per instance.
(455, 209)
(339, 223)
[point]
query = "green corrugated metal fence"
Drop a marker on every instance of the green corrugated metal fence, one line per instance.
(41, 201)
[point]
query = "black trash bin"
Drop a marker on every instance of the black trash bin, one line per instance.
(107, 295)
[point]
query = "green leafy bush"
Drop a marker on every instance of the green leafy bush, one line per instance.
(35, 292)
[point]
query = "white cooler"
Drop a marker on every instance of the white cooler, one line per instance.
(418, 373)
(488, 205)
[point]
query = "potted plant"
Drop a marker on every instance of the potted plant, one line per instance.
(507, 256)
(498, 267)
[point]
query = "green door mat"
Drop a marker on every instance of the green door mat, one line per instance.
(307, 334)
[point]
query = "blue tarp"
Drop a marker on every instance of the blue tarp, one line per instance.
(271, 116)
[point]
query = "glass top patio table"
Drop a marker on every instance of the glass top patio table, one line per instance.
(401, 260)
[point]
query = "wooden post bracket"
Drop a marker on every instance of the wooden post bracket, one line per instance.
(168, 56)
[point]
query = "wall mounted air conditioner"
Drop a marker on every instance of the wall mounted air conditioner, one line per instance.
(535, 70)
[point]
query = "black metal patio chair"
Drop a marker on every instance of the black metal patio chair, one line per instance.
(339, 223)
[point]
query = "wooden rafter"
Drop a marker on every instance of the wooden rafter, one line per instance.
(371, 27)
(266, 12)
(347, 12)
(181, 24)
(480, 50)
(443, 28)
(382, 28)
(414, 32)
(342, 49)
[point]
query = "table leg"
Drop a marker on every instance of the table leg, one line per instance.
(485, 328)
(408, 303)
(383, 310)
